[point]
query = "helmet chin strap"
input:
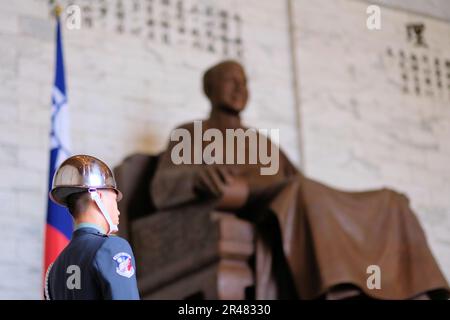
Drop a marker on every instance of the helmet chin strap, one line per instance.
(95, 196)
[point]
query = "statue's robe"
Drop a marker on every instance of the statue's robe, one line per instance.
(312, 237)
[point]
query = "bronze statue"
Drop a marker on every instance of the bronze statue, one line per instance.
(313, 238)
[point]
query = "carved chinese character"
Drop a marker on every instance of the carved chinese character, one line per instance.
(415, 33)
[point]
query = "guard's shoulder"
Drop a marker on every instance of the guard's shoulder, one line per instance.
(115, 260)
(91, 241)
(115, 242)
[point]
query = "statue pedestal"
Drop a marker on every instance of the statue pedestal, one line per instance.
(193, 255)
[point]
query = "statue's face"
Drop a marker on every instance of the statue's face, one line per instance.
(229, 88)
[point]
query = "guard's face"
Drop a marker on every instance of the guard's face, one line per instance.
(229, 88)
(109, 198)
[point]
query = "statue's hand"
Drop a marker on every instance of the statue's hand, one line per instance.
(235, 194)
(210, 180)
(224, 183)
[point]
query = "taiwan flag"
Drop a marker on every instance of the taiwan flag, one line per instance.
(59, 221)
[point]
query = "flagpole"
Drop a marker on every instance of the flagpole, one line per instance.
(59, 223)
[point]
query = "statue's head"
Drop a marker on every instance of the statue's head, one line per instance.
(225, 85)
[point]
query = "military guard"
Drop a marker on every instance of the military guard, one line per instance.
(95, 264)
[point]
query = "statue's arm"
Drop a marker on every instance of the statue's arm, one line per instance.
(176, 185)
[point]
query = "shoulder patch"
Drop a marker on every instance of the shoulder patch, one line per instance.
(124, 264)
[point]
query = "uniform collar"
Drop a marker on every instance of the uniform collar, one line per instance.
(84, 225)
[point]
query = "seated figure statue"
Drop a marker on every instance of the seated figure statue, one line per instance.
(312, 238)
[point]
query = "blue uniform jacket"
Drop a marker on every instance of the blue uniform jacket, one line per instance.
(93, 266)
